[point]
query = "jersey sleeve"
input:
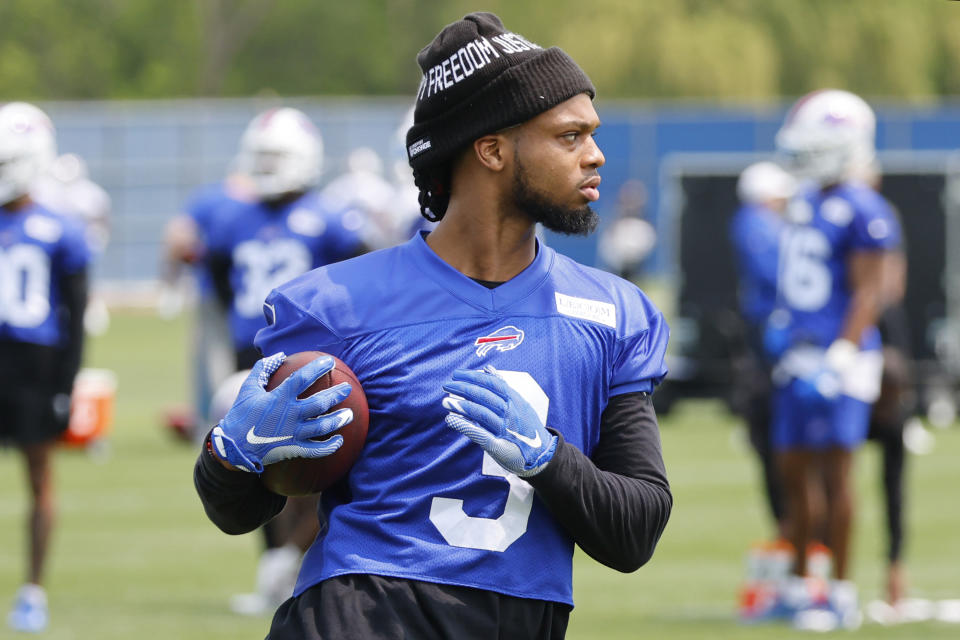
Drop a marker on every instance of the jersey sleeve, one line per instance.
(345, 233)
(200, 205)
(74, 249)
(755, 247)
(291, 328)
(217, 235)
(875, 225)
(639, 358)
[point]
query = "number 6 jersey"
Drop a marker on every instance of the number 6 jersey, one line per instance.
(422, 501)
(813, 280)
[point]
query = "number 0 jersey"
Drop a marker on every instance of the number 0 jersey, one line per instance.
(37, 249)
(423, 502)
(813, 281)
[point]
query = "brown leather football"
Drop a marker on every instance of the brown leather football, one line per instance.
(305, 476)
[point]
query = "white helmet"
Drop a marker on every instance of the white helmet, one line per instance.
(828, 136)
(27, 147)
(281, 151)
(762, 182)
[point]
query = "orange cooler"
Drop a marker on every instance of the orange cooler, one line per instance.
(91, 409)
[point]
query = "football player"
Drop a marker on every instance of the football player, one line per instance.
(764, 189)
(831, 291)
(286, 229)
(509, 386)
(211, 353)
(43, 292)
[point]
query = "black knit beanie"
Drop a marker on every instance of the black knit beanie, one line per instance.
(479, 78)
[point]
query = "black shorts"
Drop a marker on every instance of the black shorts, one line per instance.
(366, 607)
(28, 394)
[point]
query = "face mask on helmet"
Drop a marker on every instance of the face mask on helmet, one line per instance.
(281, 152)
(27, 148)
(827, 136)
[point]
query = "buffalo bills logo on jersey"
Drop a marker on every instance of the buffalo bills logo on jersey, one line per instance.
(503, 339)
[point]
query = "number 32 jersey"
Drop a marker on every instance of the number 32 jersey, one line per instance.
(813, 280)
(267, 247)
(423, 502)
(37, 249)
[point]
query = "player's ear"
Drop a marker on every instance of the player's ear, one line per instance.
(491, 151)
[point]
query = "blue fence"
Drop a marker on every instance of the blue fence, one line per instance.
(150, 155)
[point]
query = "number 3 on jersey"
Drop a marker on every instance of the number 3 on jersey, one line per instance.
(805, 279)
(494, 534)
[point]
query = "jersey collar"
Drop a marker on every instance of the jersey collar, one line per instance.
(473, 293)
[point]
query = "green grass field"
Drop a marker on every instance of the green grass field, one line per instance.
(135, 557)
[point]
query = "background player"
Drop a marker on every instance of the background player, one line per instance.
(43, 291)
(211, 351)
(252, 247)
(831, 289)
(427, 517)
(286, 230)
(756, 228)
(65, 187)
(629, 239)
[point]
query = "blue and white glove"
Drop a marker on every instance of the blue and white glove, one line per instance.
(263, 427)
(825, 385)
(487, 410)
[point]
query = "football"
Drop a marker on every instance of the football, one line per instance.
(305, 476)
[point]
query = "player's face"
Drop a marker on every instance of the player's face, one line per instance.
(555, 167)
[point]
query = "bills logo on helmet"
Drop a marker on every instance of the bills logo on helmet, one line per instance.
(503, 339)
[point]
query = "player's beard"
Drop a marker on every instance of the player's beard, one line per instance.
(541, 208)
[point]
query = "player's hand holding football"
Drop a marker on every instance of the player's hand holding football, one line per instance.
(263, 427)
(487, 410)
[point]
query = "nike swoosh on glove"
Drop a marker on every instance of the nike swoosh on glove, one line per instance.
(264, 427)
(492, 414)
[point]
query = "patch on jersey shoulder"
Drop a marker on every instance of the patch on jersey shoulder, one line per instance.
(585, 309)
(878, 229)
(353, 220)
(837, 211)
(306, 222)
(42, 228)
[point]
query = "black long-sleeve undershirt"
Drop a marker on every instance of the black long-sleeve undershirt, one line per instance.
(614, 505)
(73, 301)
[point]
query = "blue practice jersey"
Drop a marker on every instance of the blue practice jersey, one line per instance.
(813, 282)
(755, 234)
(207, 204)
(37, 249)
(269, 246)
(423, 502)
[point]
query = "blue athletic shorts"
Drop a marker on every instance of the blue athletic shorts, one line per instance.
(801, 424)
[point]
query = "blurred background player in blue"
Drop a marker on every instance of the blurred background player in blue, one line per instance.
(287, 229)
(460, 517)
(629, 238)
(43, 293)
(66, 187)
(364, 188)
(764, 189)
(211, 350)
(831, 292)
